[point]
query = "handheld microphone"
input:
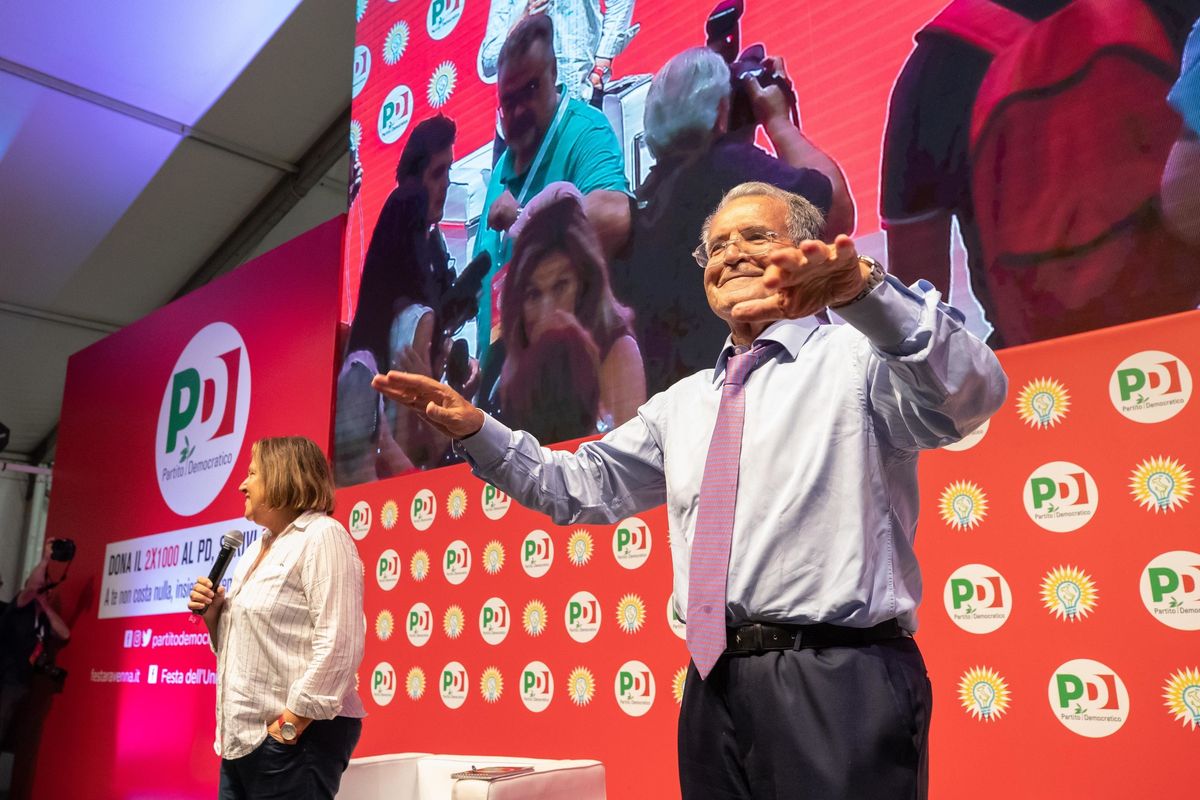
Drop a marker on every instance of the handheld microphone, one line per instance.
(230, 542)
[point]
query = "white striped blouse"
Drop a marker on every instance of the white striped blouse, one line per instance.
(291, 635)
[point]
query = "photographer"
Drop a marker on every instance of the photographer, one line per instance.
(26, 625)
(699, 158)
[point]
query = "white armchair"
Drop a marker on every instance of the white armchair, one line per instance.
(422, 776)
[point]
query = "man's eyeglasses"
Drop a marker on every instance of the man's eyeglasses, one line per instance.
(751, 243)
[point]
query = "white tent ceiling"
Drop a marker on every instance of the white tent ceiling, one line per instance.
(145, 148)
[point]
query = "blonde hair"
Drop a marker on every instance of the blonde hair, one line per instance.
(295, 473)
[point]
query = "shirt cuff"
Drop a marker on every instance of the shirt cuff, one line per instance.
(312, 706)
(887, 316)
(488, 444)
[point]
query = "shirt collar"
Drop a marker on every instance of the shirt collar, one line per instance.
(301, 522)
(791, 333)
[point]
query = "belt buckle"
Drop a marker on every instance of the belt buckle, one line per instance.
(749, 637)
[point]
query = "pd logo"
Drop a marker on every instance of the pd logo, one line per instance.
(634, 688)
(443, 16)
(582, 616)
(494, 502)
(1170, 588)
(202, 420)
(456, 562)
(631, 542)
(675, 620)
(977, 598)
(423, 510)
(494, 620)
(537, 686)
(1150, 386)
(362, 69)
(387, 570)
(1061, 496)
(970, 440)
(1088, 698)
(453, 685)
(360, 520)
(537, 553)
(395, 114)
(419, 624)
(383, 683)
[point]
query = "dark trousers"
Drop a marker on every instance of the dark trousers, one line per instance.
(311, 769)
(835, 723)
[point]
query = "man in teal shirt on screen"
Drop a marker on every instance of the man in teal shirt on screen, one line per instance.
(550, 137)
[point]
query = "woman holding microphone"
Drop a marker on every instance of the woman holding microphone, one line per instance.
(289, 634)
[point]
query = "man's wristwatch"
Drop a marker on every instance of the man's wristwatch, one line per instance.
(287, 730)
(874, 279)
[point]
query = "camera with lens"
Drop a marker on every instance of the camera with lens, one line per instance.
(723, 35)
(62, 549)
(44, 665)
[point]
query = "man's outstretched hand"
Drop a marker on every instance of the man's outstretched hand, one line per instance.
(806, 278)
(439, 405)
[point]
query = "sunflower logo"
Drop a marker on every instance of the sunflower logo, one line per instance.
(356, 135)
(385, 625)
(493, 557)
(414, 683)
(1043, 402)
(580, 547)
(360, 9)
(389, 514)
(441, 84)
(984, 694)
(1162, 484)
(419, 566)
(456, 503)
(534, 617)
(677, 682)
(395, 43)
(1068, 593)
(963, 505)
(631, 613)
(453, 622)
(1182, 693)
(581, 686)
(491, 684)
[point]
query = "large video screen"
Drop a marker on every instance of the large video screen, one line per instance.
(530, 178)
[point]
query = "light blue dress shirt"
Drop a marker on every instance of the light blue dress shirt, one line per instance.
(827, 495)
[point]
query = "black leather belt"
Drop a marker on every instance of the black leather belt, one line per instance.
(757, 637)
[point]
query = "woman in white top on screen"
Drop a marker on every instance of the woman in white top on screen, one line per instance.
(288, 634)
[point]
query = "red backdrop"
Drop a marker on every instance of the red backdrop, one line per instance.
(104, 739)
(1021, 748)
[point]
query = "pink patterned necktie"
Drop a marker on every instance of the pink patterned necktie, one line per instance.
(709, 567)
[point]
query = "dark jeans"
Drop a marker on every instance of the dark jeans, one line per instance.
(836, 723)
(311, 769)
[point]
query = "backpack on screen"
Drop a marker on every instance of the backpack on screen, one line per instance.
(1069, 135)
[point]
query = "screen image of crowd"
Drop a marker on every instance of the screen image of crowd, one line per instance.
(1046, 150)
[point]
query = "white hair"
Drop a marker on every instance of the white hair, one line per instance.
(684, 99)
(804, 220)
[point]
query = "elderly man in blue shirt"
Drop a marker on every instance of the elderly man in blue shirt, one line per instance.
(789, 471)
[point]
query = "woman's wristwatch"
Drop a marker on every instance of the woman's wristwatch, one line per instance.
(287, 730)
